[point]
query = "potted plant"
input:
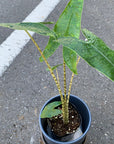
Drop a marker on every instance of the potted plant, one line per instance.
(66, 118)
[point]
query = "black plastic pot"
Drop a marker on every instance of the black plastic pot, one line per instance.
(83, 111)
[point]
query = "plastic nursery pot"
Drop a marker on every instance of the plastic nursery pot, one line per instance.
(83, 110)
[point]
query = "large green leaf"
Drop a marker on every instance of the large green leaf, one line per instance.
(39, 28)
(68, 24)
(50, 110)
(94, 51)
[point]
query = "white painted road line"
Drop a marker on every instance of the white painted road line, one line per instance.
(13, 45)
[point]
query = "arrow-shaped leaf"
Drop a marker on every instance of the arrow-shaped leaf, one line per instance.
(50, 110)
(39, 28)
(95, 52)
(68, 24)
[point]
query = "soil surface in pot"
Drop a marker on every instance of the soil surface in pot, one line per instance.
(59, 128)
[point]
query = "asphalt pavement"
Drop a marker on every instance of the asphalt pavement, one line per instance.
(26, 85)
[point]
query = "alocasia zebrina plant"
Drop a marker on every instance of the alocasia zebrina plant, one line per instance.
(67, 33)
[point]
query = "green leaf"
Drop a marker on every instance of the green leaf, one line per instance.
(95, 52)
(54, 67)
(70, 59)
(49, 49)
(39, 28)
(50, 110)
(68, 24)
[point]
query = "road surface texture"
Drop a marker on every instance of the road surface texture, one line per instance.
(26, 85)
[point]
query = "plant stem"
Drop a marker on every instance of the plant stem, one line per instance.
(57, 76)
(77, 60)
(64, 70)
(66, 111)
(70, 85)
(51, 71)
(65, 119)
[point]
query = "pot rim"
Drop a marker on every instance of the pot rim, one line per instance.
(78, 139)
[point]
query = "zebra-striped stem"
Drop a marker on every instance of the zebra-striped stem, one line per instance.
(66, 111)
(49, 67)
(70, 85)
(64, 70)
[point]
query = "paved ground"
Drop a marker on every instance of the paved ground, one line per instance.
(26, 84)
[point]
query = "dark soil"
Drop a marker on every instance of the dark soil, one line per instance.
(59, 128)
